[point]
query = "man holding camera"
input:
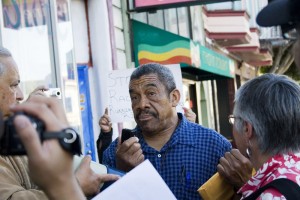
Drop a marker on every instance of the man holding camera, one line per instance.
(15, 181)
(50, 165)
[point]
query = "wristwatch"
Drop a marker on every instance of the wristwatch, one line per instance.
(68, 139)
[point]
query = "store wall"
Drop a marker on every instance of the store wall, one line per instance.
(80, 32)
(108, 52)
(103, 48)
(101, 52)
(97, 55)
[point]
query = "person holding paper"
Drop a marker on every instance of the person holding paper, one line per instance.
(184, 153)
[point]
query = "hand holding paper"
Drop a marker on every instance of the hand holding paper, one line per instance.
(141, 183)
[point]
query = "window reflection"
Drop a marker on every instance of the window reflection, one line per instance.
(67, 65)
(171, 20)
(183, 22)
(155, 19)
(142, 17)
(26, 34)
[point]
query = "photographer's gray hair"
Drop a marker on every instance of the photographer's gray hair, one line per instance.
(3, 53)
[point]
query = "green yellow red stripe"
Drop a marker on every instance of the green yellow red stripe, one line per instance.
(164, 48)
(173, 60)
(164, 56)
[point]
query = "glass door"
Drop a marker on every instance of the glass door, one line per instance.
(26, 32)
(39, 35)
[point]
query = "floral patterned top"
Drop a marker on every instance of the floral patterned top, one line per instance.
(279, 166)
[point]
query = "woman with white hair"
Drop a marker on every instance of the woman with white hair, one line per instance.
(266, 129)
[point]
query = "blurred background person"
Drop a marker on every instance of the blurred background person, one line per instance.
(284, 13)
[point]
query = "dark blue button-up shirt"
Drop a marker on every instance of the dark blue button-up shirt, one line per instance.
(186, 161)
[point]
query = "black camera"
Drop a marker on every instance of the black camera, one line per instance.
(10, 142)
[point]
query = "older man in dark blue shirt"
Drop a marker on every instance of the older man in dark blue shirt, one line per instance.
(184, 153)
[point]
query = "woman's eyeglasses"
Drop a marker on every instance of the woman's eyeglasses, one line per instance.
(231, 119)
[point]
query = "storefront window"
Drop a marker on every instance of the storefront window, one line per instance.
(26, 33)
(43, 49)
(142, 17)
(183, 22)
(220, 6)
(155, 19)
(197, 24)
(237, 5)
(171, 20)
(68, 80)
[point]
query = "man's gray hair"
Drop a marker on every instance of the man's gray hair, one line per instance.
(271, 104)
(3, 53)
(163, 73)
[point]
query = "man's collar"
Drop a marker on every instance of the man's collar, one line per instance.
(181, 134)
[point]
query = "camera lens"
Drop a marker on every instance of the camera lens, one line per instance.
(57, 93)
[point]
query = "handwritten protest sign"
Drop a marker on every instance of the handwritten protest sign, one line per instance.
(119, 107)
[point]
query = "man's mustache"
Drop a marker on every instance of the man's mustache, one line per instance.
(147, 112)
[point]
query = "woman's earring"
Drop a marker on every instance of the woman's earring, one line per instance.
(248, 150)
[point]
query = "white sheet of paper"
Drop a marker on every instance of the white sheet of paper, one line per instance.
(141, 183)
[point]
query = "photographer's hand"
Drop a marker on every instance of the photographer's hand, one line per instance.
(50, 166)
(39, 90)
(89, 181)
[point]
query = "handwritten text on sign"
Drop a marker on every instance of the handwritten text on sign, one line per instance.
(118, 93)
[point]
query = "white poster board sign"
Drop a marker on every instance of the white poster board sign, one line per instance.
(119, 103)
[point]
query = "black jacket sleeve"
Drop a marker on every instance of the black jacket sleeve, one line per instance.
(103, 142)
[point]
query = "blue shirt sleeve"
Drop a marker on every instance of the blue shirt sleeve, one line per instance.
(109, 155)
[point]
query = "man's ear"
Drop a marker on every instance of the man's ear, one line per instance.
(175, 97)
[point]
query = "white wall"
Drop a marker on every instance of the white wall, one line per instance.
(80, 32)
(102, 58)
(100, 38)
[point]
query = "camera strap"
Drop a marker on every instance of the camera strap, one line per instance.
(68, 139)
(288, 188)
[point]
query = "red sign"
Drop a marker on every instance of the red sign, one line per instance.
(147, 3)
(144, 4)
